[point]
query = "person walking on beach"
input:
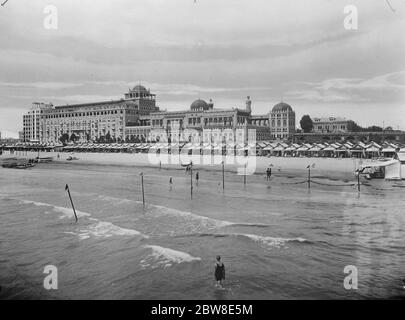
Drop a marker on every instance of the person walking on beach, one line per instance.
(197, 176)
(171, 180)
(268, 171)
(219, 271)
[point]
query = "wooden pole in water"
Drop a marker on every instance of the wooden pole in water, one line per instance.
(143, 191)
(71, 201)
(309, 177)
(223, 175)
(244, 176)
(358, 181)
(191, 177)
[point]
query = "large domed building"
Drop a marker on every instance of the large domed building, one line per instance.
(282, 121)
(201, 105)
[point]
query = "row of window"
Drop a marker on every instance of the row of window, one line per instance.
(83, 114)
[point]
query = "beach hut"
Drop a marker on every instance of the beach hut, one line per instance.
(291, 150)
(357, 151)
(278, 150)
(315, 150)
(302, 151)
(372, 150)
(329, 151)
(388, 150)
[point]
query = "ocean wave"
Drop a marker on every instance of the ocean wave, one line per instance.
(159, 210)
(206, 222)
(66, 212)
(103, 229)
(268, 241)
(165, 257)
(97, 228)
(277, 242)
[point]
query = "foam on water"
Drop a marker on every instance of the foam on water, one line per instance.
(66, 212)
(165, 257)
(160, 210)
(103, 229)
(267, 241)
(277, 242)
(98, 228)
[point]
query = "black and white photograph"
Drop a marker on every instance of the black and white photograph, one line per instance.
(202, 150)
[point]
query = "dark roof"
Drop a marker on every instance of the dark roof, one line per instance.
(282, 106)
(199, 104)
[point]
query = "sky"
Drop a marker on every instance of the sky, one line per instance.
(294, 51)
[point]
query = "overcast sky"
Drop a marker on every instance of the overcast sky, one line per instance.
(298, 51)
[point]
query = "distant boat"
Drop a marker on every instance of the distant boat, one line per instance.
(16, 163)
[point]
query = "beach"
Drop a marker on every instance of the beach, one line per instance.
(328, 167)
(277, 239)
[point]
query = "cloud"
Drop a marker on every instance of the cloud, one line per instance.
(388, 87)
(40, 85)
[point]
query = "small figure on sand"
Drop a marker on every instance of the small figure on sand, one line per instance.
(268, 172)
(197, 176)
(219, 271)
(171, 180)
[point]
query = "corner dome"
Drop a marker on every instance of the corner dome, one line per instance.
(282, 106)
(199, 105)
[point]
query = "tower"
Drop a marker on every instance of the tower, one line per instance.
(248, 104)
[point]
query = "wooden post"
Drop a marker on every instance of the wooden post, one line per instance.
(358, 181)
(191, 181)
(71, 201)
(223, 175)
(143, 191)
(244, 176)
(309, 177)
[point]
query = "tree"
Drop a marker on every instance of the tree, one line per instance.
(108, 137)
(73, 137)
(374, 129)
(64, 138)
(353, 126)
(306, 123)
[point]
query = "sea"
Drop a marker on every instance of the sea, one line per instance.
(278, 239)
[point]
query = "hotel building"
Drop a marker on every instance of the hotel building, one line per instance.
(136, 118)
(89, 121)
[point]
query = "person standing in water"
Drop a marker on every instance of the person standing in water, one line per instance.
(219, 271)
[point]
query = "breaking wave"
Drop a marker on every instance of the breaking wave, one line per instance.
(66, 212)
(266, 241)
(162, 257)
(159, 211)
(97, 228)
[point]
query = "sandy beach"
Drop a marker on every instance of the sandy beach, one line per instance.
(329, 167)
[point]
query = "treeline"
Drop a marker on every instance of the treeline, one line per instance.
(65, 138)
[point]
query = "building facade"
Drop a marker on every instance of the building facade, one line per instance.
(136, 118)
(282, 121)
(32, 122)
(88, 122)
(330, 125)
(201, 119)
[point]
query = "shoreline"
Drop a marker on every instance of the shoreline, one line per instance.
(329, 167)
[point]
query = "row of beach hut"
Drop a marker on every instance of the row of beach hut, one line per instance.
(268, 149)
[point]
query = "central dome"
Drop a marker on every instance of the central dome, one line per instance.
(282, 106)
(199, 105)
(139, 88)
